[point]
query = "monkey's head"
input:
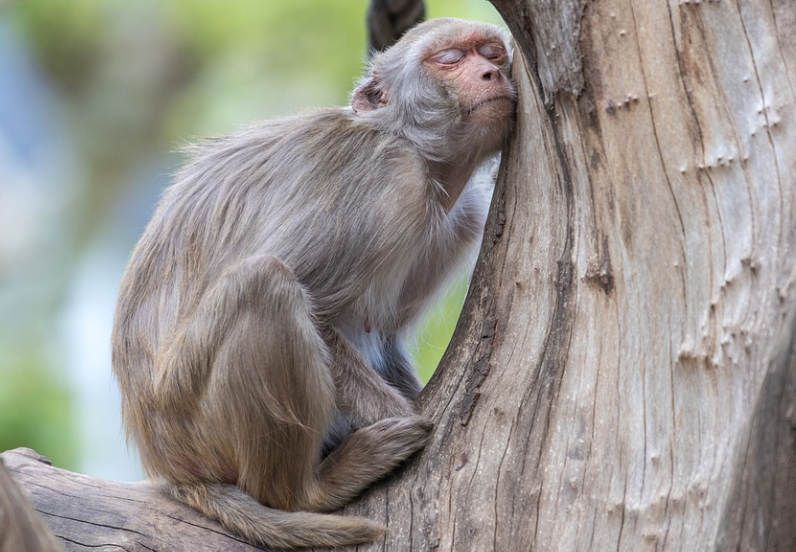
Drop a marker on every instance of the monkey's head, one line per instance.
(445, 86)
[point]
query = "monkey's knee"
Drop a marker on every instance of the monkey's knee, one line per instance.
(273, 339)
(274, 383)
(268, 291)
(264, 281)
(245, 318)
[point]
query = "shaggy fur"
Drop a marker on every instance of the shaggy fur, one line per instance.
(260, 328)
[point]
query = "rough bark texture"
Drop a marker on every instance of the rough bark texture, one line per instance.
(624, 373)
(20, 528)
(87, 513)
(624, 376)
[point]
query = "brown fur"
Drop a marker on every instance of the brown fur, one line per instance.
(260, 329)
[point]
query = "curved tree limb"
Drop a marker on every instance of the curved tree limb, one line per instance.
(87, 513)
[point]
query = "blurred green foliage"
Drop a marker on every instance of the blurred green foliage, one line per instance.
(36, 410)
(137, 79)
(436, 330)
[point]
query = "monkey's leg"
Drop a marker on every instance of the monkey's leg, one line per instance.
(391, 431)
(265, 403)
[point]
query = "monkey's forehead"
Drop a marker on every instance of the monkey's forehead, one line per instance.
(433, 34)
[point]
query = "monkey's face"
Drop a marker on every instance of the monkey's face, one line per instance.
(445, 87)
(474, 69)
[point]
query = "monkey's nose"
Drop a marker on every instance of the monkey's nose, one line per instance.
(492, 73)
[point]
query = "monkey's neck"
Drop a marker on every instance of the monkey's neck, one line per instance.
(453, 178)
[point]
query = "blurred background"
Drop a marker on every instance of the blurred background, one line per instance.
(96, 98)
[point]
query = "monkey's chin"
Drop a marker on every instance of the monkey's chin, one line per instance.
(492, 108)
(496, 113)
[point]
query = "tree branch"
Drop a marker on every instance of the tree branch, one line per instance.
(87, 512)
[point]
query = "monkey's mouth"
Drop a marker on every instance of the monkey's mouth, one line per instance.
(492, 99)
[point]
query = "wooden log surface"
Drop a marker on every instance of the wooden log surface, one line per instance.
(87, 513)
(20, 527)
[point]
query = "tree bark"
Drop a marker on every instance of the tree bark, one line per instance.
(20, 527)
(87, 513)
(623, 376)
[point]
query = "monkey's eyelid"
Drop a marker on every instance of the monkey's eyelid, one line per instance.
(449, 56)
(492, 51)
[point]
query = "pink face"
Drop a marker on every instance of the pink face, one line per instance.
(475, 68)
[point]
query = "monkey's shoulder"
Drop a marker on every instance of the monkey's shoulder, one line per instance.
(324, 132)
(318, 147)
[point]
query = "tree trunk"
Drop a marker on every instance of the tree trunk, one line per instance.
(624, 373)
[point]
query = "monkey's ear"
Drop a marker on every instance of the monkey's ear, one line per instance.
(368, 96)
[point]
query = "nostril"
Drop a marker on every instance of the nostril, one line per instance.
(490, 73)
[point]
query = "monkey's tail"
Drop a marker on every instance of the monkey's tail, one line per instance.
(237, 510)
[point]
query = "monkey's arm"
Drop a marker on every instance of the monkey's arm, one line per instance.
(460, 233)
(455, 243)
(361, 394)
(396, 368)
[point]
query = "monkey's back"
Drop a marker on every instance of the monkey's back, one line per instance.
(293, 188)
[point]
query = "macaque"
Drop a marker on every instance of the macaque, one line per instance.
(261, 327)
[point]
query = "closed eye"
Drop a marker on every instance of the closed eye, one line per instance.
(492, 51)
(450, 56)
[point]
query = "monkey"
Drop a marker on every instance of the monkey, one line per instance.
(261, 328)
